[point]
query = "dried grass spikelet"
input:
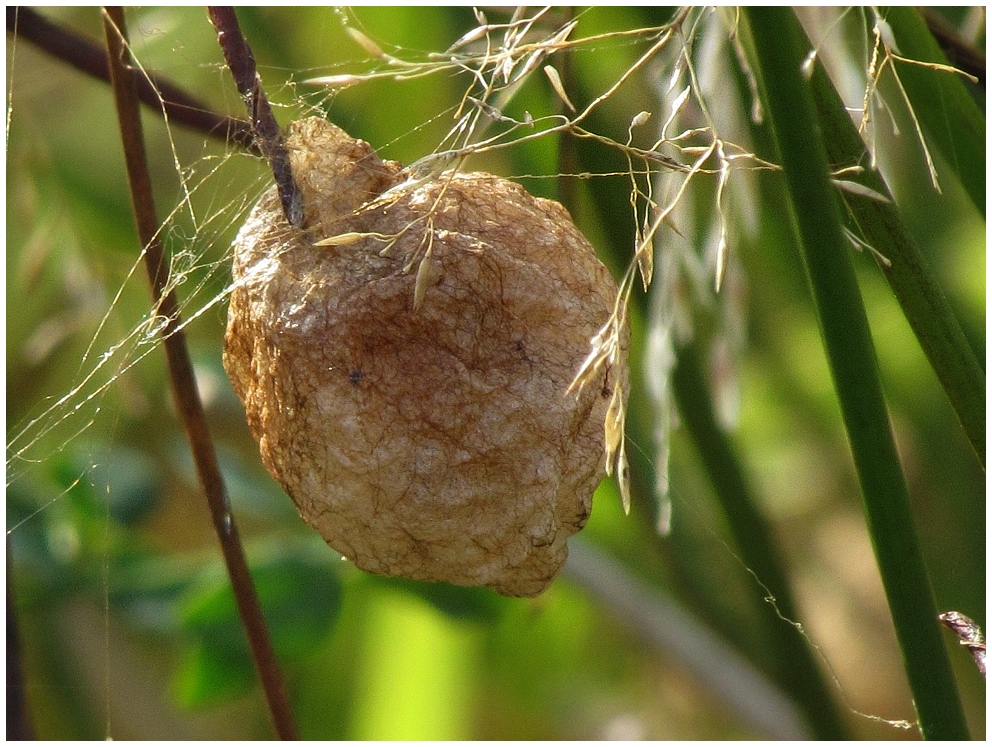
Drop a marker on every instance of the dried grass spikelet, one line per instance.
(435, 442)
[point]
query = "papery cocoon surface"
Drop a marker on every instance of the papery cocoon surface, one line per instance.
(433, 440)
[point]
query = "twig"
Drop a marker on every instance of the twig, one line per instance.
(182, 377)
(242, 63)
(155, 91)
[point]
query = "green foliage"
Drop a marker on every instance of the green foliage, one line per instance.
(300, 600)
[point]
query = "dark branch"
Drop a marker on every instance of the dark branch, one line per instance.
(963, 55)
(182, 378)
(242, 63)
(157, 92)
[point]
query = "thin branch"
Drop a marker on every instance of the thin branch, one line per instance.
(182, 378)
(155, 91)
(242, 63)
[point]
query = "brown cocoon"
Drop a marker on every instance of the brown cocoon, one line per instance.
(433, 440)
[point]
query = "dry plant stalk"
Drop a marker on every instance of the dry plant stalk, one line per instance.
(404, 361)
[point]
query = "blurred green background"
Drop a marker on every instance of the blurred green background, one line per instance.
(126, 621)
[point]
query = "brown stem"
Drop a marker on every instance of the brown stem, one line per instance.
(155, 90)
(241, 61)
(181, 375)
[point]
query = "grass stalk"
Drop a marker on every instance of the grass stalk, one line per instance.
(795, 667)
(779, 51)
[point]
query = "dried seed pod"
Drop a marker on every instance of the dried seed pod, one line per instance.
(404, 361)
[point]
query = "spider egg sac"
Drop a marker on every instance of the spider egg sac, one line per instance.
(404, 357)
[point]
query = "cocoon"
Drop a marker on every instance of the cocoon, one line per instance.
(404, 358)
